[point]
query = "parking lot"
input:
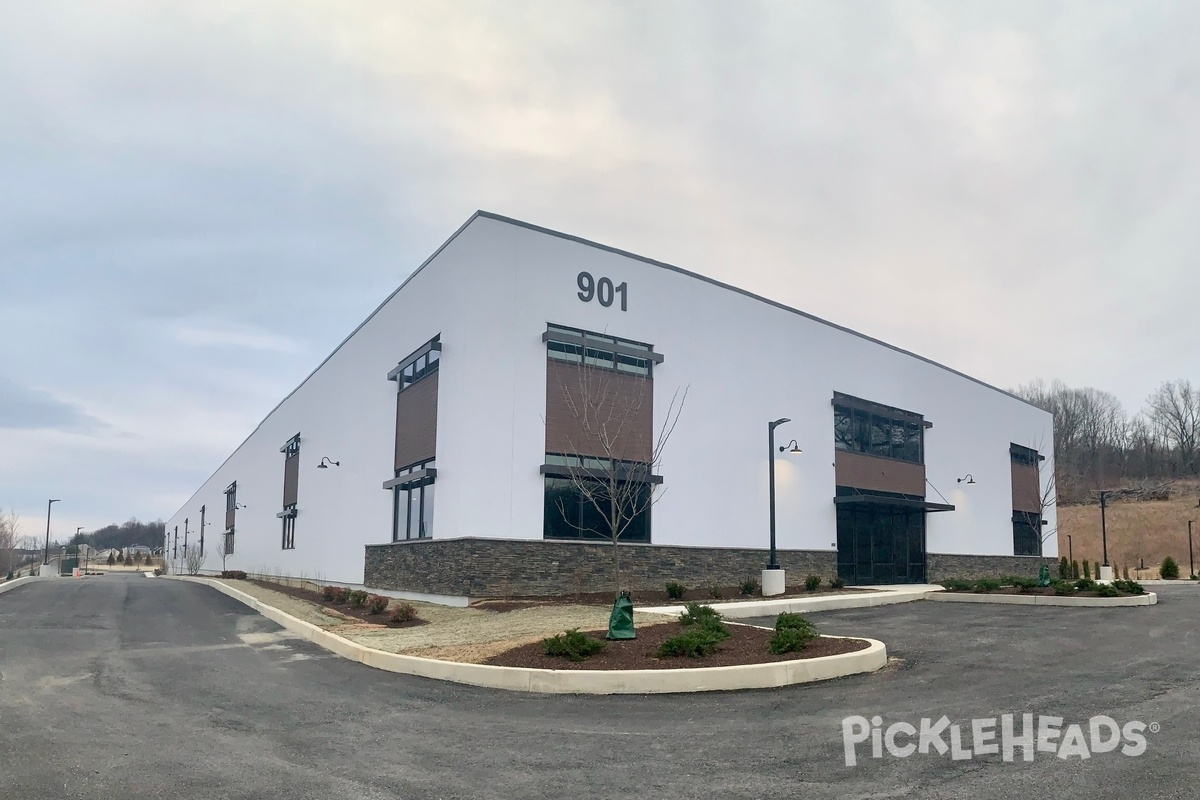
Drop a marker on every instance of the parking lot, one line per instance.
(121, 687)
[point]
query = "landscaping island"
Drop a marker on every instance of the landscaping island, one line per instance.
(1083, 587)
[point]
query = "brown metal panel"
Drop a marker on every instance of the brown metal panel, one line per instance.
(1026, 488)
(872, 473)
(416, 422)
(291, 477)
(229, 515)
(586, 406)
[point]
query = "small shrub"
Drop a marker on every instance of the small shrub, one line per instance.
(234, 574)
(748, 586)
(1107, 590)
(675, 590)
(572, 645)
(1025, 584)
(358, 598)
(694, 642)
(957, 585)
(837, 583)
(789, 619)
(1087, 570)
(1074, 570)
(377, 604)
(704, 618)
(329, 592)
(1129, 587)
(790, 640)
(1063, 587)
(812, 582)
(1064, 569)
(111, 559)
(121, 558)
(1085, 585)
(403, 612)
(1169, 571)
(716, 592)
(987, 585)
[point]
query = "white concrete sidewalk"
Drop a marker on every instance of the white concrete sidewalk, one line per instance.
(881, 596)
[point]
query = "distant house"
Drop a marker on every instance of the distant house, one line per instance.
(138, 548)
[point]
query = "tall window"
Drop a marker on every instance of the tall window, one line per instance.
(879, 431)
(412, 501)
(291, 480)
(202, 525)
(175, 545)
(230, 516)
(1027, 500)
(420, 366)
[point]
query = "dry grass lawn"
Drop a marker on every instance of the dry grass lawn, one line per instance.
(1138, 533)
(454, 634)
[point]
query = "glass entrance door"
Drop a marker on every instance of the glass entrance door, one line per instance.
(880, 544)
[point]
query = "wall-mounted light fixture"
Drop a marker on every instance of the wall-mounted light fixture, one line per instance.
(236, 506)
(968, 479)
(790, 447)
(325, 463)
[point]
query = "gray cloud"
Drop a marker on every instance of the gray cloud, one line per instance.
(23, 408)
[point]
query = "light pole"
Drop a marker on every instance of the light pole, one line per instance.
(1070, 551)
(774, 578)
(1191, 558)
(46, 555)
(1106, 571)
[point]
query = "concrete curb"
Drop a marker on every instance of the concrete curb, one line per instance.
(10, 585)
(747, 609)
(644, 681)
(1148, 599)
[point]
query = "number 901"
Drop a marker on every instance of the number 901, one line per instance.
(602, 290)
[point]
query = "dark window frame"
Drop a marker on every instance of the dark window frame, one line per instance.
(1027, 533)
(600, 350)
(418, 365)
(423, 493)
(1026, 456)
(555, 527)
(874, 432)
(289, 527)
(231, 497)
(229, 540)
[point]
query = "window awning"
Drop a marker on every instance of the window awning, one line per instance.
(900, 502)
(622, 473)
(408, 479)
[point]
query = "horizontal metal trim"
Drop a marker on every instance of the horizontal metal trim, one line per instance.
(420, 351)
(289, 512)
(583, 341)
(405, 480)
(294, 440)
(560, 471)
(878, 500)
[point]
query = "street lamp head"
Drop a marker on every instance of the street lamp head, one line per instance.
(55, 501)
(790, 447)
(326, 463)
(779, 422)
(968, 479)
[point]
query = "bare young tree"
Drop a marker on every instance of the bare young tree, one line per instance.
(615, 452)
(194, 560)
(10, 532)
(222, 549)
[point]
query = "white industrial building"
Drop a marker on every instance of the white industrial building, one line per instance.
(420, 455)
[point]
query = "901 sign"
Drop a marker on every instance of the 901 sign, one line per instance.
(602, 290)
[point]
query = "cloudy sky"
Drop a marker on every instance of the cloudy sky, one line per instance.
(201, 199)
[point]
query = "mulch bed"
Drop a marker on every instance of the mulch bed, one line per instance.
(656, 597)
(747, 645)
(316, 598)
(1042, 590)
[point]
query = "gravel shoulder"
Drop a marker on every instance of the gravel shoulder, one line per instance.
(468, 635)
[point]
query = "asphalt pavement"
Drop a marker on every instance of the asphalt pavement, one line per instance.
(128, 687)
